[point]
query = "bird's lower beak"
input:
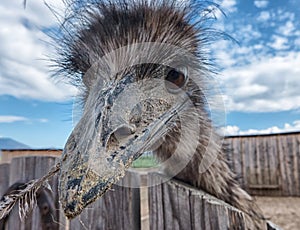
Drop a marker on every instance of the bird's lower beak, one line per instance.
(103, 145)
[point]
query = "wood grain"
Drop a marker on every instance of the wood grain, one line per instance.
(266, 165)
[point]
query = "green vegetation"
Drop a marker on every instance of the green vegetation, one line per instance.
(145, 162)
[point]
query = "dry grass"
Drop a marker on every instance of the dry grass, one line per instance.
(283, 211)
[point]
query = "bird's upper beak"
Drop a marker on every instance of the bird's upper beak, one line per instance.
(117, 126)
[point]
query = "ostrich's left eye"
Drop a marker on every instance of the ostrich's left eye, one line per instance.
(175, 80)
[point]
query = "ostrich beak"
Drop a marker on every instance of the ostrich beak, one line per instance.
(107, 140)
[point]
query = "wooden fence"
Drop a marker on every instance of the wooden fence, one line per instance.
(118, 208)
(266, 164)
(22, 170)
(172, 205)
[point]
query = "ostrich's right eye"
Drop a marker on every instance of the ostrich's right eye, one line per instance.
(175, 80)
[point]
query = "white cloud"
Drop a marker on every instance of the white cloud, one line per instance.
(11, 119)
(279, 42)
(235, 130)
(283, 15)
(23, 69)
(250, 90)
(262, 72)
(223, 53)
(245, 32)
(228, 5)
(261, 3)
(265, 85)
(258, 46)
(43, 120)
(36, 12)
(229, 53)
(297, 43)
(264, 16)
(230, 130)
(287, 29)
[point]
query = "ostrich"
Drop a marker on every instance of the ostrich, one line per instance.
(158, 47)
(144, 74)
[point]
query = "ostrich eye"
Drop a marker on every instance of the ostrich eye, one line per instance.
(175, 80)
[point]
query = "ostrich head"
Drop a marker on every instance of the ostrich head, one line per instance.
(144, 75)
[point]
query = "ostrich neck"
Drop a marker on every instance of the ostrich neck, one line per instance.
(211, 175)
(217, 179)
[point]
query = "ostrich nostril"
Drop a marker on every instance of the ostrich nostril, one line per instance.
(119, 135)
(124, 131)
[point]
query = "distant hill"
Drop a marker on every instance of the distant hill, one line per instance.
(8, 143)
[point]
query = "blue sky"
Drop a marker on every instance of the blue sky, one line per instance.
(259, 76)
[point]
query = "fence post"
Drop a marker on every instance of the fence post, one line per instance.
(4, 178)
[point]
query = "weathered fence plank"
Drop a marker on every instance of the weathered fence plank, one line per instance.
(273, 161)
(298, 154)
(287, 162)
(295, 167)
(174, 205)
(4, 178)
